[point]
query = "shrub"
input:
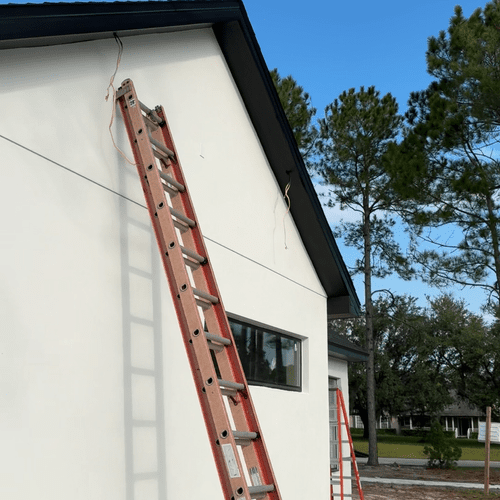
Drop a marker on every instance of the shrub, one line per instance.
(386, 432)
(418, 432)
(442, 452)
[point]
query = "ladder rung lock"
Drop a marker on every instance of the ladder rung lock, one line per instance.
(153, 116)
(160, 155)
(150, 122)
(172, 181)
(260, 491)
(191, 263)
(206, 296)
(203, 304)
(182, 217)
(215, 347)
(217, 338)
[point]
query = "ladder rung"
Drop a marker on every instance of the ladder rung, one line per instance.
(183, 218)
(206, 296)
(260, 491)
(198, 258)
(172, 181)
(234, 386)
(217, 338)
(245, 435)
(161, 147)
(216, 342)
(191, 263)
(169, 189)
(203, 304)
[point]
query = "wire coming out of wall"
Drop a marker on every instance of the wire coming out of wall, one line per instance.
(288, 202)
(113, 90)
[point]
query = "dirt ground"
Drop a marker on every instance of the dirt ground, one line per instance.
(373, 491)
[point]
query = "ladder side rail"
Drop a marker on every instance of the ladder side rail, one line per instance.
(229, 363)
(353, 455)
(339, 437)
(208, 393)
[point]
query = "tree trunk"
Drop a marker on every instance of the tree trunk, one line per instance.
(370, 367)
(363, 415)
(494, 240)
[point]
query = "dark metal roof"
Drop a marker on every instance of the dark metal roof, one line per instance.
(30, 25)
(340, 347)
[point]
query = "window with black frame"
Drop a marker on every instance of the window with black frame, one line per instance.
(268, 357)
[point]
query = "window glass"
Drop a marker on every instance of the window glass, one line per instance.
(268, 358)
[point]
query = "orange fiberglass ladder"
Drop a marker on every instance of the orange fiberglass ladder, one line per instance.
(343, 421)
(238, 447)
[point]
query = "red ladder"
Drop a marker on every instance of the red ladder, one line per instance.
(235, 435)
(343, 420)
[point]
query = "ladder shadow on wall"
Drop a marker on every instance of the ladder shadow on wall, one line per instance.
(144, 419)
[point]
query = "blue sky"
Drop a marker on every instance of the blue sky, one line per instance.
(329, 46)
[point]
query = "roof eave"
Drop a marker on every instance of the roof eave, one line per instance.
(50, 24)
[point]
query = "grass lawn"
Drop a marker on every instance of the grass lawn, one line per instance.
(412, 447)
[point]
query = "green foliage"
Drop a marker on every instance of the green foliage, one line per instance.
(442, 452)
(407, 380)
(424, 355)
(447, 167)
(355, 135)
(467, 349)
(298, 110)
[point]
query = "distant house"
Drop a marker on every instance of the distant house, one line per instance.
(96, 395)
(459, 417)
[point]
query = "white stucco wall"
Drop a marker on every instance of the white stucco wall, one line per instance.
(338, 368)
(84, 297)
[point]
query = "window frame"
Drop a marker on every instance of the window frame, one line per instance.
(282, 334)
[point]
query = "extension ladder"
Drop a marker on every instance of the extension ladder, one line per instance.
(233, 429)
(343, 421)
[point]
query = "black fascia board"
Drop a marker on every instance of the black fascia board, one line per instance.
(348, 351)
(76, 20)
(55, 23)
(240, 46)
(346, 354)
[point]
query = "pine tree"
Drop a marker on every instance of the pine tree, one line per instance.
(354, 137)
